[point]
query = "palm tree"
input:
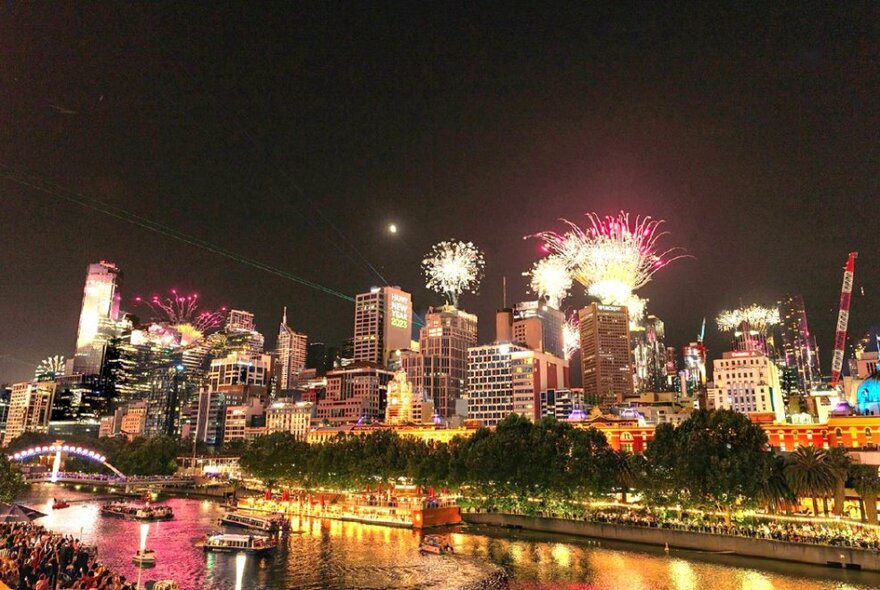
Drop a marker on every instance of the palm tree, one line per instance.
(810, 474)
(775, 492)
(841, 462)
(866, 483)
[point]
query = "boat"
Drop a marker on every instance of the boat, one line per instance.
(146, 557)
(226, 543)
(154, 513)
(59, 504)
(435, 545)
(267, 524)
(164, 585)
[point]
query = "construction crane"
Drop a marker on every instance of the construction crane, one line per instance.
(842, 319)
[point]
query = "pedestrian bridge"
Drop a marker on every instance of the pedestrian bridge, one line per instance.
(97, 479)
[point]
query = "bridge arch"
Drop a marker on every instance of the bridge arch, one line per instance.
(57, 449)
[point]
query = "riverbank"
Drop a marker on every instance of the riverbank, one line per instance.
(823, 555)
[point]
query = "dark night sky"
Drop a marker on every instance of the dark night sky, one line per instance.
(756, 136)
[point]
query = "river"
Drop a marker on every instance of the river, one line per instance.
(334, 555)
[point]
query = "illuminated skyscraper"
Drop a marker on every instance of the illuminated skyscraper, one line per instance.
(382, 324)
(693, 376)
(439, 369)
(30, 407)
(291, 351)
(649, 354)
(799, 347)
(241, 333)
(97, 320)
(606, 358)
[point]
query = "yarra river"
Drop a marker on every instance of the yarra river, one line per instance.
(335, 555)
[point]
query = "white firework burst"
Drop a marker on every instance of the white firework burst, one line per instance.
(451, 268)
(756, 317)
(571, 335)
(53, 366)
(550, 280)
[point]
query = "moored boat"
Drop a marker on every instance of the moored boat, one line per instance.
(267, 524)
(154, 513)
(137, 512)
(226, 543)
(59, 504)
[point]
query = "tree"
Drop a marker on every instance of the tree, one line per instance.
(775, 493)
(841, 462)
(11, 482)
(714, 459)
(866, 483)
(810, 474)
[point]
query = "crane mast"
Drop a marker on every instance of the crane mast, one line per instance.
(842, 319)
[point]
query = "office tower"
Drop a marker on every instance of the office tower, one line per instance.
(693, 376)
(799, 348)
(747, 382)
(317, 357)
(382, 324)
(30, 407)
(537, 326)
(290, 352)
(292, 417)
(234, 380)
(5, 396)
(439, 369)
(671, 377)
(505, 378)
(605, 354)
(97, 319)
(356, 393)
(238, 320)
(241, 333)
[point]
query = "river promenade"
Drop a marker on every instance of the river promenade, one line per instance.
(736, 541)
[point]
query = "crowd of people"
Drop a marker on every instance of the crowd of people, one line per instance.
(33, 558)
(790, 531)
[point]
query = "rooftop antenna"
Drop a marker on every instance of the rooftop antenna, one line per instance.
(504, 292)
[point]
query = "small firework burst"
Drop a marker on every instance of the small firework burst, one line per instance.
(180, 310)
(53, 366)
(451, 268)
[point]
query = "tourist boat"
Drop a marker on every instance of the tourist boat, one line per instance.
(266, 524)
(166, 585)
(435, 545)
(146, 557)
(226, 543)
(154, 513)
(59, 504)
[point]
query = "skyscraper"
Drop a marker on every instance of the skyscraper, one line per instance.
(30, 407)
(799, 348)
(605, 353)
(291, 351)
(97, 319)
(539, 327)
(439, 369)
(382, 324)
(241, 333)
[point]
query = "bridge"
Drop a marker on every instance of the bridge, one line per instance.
(117, 479)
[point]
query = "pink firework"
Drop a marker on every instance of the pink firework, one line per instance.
(177, 309)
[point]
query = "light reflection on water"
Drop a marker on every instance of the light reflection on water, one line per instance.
(337, 555)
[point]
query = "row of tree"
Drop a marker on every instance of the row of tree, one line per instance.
(714, 460)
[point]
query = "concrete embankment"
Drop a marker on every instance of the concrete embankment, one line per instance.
(781, 550)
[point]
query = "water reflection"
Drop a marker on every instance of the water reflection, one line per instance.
(338, 555)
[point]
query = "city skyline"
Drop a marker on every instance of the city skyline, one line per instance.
(765, 183)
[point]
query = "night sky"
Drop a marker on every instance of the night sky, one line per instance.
(293, 133)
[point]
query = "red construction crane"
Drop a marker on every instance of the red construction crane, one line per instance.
(842, 319)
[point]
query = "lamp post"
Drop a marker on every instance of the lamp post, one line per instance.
(145, 528)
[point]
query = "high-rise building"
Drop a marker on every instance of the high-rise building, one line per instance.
(97, 319)
(30, 407)
(317, 357)
(693, 376)
(537, 326)
(239, 369)
(606, 358)
(649, 354)
(356, 393)
(505, 378)
(382, 324)
(799, 348)
(292, 417)
(238, 320)
(439, 368)
(748, 382)
(290, 353)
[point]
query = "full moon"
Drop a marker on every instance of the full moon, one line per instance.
(392, 228)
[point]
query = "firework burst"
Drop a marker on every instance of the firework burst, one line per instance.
(571, 335)
(755, 317)
(451, 268)
(550, 280)
(183, 310)
(611, 257)
(52, 366)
